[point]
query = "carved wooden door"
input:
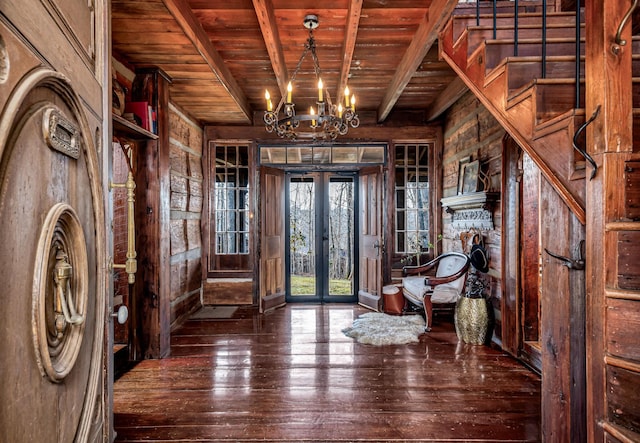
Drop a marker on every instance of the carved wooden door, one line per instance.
(272, 238)
(52, 267)
(371, 246)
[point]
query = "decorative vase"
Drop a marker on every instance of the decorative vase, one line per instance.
(472, 320)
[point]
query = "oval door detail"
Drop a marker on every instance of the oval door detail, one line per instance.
(52, 267)
(59, 292)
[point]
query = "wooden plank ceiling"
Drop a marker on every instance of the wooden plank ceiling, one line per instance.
(223, 55)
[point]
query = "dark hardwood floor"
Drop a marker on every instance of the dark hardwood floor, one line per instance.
(291, 375)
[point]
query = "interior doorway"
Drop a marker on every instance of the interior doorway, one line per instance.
(321, 221)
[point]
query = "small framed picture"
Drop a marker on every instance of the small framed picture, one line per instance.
(470, 177)
(461, 165)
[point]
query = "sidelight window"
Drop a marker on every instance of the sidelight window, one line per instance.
(412, 198)
(231, 200)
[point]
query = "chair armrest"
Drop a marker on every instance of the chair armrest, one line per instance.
(434, 281)
(416, 270)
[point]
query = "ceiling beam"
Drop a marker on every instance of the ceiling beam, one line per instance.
(427, 34)
(449, 96)
(350, 34)
(267, 20)
(195, 32)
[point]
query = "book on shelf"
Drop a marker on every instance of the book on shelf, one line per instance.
(141, 110)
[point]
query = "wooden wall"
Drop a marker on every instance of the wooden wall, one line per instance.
(185, 157)
(471, 131)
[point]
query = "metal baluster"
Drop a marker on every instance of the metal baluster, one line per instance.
(477, 12)
(515, 27)
(544, 38)
(577, 54)
(495, 15)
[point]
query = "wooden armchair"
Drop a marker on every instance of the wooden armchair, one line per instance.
(443, 288)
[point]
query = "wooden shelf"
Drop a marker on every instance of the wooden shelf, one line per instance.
(134, 131)
(472, 210)
(471, 200)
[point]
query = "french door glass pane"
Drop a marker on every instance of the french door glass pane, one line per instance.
(302, 228)
(341, 234)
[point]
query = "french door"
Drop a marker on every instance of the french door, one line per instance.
(321, 249)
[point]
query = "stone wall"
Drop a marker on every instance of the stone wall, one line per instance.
(471, 132)
(185, 138)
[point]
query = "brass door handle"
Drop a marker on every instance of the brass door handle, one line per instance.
(131, 265)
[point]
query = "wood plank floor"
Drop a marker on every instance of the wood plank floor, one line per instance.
(291, 375)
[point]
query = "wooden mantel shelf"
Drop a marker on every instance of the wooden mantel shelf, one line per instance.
(471, 210)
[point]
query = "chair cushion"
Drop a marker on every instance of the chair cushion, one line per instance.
(445, 294)
(414, 289)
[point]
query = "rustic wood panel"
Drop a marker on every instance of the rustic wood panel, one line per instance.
(622, 325)
(293, 376)
(530, 225)
(186, 206)
(623, 405)
(510, 330)
(227, 291)
(562, 317)
(628, 263)
(632, 190)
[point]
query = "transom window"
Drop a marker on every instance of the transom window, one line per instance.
(322, 155)
(412, 198)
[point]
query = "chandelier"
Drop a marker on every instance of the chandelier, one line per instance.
(328, 121)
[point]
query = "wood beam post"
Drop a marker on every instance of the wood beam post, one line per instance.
(609, 141)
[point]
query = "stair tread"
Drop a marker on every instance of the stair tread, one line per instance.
(520, 26)
(522, 14)
(502, 41)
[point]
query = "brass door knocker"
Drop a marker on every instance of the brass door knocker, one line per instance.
(64, 304)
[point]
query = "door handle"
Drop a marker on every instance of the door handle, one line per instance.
(131, 265)
(122, 314)
(377, 245)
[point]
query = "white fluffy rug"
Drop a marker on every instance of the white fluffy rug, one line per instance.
(377, 328)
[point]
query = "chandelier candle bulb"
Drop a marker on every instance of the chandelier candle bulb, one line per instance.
(267, 96)
(340, 110)
(320, 97)
(353, 102)
(289, 89)
(346, 96)
(312, 112)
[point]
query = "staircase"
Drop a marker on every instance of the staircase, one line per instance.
(530, 88)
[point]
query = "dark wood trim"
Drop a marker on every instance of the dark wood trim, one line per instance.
(510, 246)
(269, 28)
(452, 93)
(350, 33)
(153, 213)
(609, 140)
(364, 133)
(425, 36)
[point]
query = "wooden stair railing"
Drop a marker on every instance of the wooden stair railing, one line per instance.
(539, 113)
